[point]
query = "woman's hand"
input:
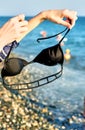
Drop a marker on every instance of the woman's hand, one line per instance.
(57, 16)
(12, 30)
(16, 28)
(64, 17)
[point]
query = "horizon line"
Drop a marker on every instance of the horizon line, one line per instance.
(30, 15)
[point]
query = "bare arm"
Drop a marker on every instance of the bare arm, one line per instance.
(17, 27)
(12, 29)
(33, 23)
(55, 16)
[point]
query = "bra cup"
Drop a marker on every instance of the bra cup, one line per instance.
(50, 56)
(13, 68)
(56, 55)
(60, 55)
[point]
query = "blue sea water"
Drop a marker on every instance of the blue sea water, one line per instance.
(67, 93)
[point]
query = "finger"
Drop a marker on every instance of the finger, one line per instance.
(65, 23)
(20, 17)
(23, 29)
(71, 17)
(23, 23)
(73, 20)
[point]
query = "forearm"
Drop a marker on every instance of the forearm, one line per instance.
(3, 40)
(16, 28)
(33, 23)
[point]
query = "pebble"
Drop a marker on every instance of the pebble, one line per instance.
(21, 114)
(17, 112)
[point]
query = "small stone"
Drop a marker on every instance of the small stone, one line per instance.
(35, 123)
(8, 116)
(9, 129)
(56, 129)
(44, 110)
(1, 113)
(4, 125)
(28, 124)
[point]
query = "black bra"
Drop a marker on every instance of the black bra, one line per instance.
(50, 57)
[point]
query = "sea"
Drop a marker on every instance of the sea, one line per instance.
(65, 96)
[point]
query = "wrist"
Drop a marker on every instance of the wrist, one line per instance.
(44, 15)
